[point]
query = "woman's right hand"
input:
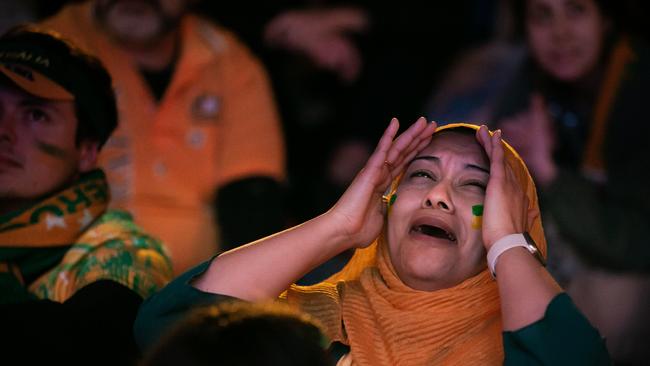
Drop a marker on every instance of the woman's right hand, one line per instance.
(506, 203)
(359, 213)
(262, 269)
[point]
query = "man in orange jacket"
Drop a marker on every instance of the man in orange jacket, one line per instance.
(197, 121)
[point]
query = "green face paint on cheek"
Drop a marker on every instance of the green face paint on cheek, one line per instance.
(389, 200)
(52, 150)
(477, 217)
(392, 199)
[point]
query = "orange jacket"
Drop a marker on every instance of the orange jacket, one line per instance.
(217, 122)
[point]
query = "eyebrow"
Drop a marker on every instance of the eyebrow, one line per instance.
(437, 160)
(30, 101)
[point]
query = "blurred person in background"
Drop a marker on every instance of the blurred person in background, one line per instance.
(198, 156)
(72, 272)
(567, 85)
(577, 115)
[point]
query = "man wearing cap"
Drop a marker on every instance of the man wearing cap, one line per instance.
(199, 132)
(72, 273)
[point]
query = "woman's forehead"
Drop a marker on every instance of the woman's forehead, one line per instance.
(451, 144)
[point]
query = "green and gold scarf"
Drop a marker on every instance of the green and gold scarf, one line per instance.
(57, 220)
(69, 240)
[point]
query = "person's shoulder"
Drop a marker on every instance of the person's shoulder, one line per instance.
(114, 247)
(116, 225)
(219, 39)
(118, 230)
(221, 49)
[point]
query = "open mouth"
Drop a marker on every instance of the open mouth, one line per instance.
(434, 231)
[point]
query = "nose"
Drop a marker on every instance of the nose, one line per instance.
(439, 198)
(561, 28)
(7, 128)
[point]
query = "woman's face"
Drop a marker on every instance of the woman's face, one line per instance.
(565, 36)
(432, 243)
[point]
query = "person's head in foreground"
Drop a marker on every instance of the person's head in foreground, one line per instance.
(242, 334)
(422, 292)
(57, 109)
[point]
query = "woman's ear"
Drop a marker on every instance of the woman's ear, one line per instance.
(88, 151)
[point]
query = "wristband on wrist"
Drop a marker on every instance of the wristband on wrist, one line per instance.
(509, 242)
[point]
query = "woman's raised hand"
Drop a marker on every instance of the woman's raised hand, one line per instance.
(359, 213)
(276, 261)
(506, 205)
(525, 288)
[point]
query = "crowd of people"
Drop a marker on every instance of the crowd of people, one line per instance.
(189, 182)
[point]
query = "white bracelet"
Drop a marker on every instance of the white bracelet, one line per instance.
(509, 242)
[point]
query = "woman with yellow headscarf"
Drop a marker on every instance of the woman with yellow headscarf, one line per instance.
(423, 214)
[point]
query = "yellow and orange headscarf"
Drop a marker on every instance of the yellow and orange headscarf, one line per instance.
(385, 322)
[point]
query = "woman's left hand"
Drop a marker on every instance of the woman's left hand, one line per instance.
(505, 208)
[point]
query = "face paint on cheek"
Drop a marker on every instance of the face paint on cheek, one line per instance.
(52, 150)
(477, 217)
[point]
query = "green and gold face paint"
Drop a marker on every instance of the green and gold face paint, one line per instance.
(389, 200)
(477, 217)
(51, 150)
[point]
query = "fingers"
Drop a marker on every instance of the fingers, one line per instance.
(483, 137)
(504, 172)
(416, 145)
(385, 142)
(497, 164)
(408, 141)
(494, 150)
(516, 191)
(424, 137)
(404, 140)
(398, 168)
(392, 154)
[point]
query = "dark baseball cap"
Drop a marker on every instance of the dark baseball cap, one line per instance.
(44, 64)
